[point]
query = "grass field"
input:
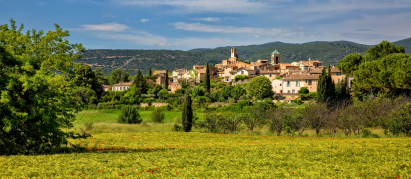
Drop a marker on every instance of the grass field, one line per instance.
(203, 155)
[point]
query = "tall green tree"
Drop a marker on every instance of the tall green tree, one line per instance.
(260, 88)
(150, 73)
(350, 63)
(187, 118)
(389, 75)
(101, 78)
(166, 80)
(322, 87)
(326, 86)
(342, 92)
(83, 76)
(207, 79)
(141, 84)
(330, 85)
(36, 99)
(383, 49)
(118, 75)
(214, 64)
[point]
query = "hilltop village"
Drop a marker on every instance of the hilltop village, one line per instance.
(286, 79)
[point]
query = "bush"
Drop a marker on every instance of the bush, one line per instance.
(162, 94)
(303, 90)
(312, 95)
(279, 97)
(158, 115)
(177, 127)
(298, 101)
(129, 115)
(303, 96)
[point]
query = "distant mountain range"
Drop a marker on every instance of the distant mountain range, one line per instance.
(132, 60)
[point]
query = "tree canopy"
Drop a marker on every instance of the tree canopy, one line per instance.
(260, 87)
(36, 98)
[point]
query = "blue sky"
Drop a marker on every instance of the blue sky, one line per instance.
(188, 24)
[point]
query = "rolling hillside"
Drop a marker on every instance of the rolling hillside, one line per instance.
(132, 60)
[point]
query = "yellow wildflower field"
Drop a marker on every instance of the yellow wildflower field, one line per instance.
(204, 155)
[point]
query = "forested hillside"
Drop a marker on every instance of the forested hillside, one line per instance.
(132, 60)
(316, 51)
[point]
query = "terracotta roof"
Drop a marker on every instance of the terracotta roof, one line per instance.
(182, 73)
(220, 72)
(233, 71)
(159, 72)
(294, 77)
(335, 70)
(287, 65)
(312, 77)
(106, 86)
(227, 76)
(200, 70)
(268, 72)
(124, 83)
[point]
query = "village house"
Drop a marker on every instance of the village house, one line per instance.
(122, 86)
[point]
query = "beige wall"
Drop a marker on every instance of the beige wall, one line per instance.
(312, 87)
(292, 86)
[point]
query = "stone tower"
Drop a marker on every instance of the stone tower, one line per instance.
(275, 57)
(234, 55)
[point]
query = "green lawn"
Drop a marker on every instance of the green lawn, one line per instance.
(111, 116)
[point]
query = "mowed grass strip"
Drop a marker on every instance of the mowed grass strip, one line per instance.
(192, 155)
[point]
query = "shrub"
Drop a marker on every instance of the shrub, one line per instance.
(279, 97)
(177, 127)
(158, 115)
(298, 101)
(312, 95)
(129, 115)
(303, 90)
(366, 133)
(304, 96)
(162, 94)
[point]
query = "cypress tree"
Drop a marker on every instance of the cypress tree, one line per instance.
(321, 87)
(187, 118)
(140, 83)
(207, 79)
(150, 72)
(330, 85)
(214, 64)
(166, 81)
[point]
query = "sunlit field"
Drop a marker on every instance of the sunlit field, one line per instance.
(204, 155)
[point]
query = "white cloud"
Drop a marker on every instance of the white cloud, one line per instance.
(200, 6)
(143, 20)
(108, 27)
(208, 19)
(198, 27)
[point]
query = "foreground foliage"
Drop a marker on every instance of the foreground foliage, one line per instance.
(36, 100)
(201, 155)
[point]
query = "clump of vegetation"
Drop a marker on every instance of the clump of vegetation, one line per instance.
(129, 115)
(158, 115)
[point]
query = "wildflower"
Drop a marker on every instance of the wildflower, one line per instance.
(177, 173)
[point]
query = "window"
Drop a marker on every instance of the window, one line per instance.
(270, 75)
(298, 91)
(242, 72)
(288, 91)
(288, 84)
(280, 84)
(338, 80)
(227, 79)
(338, 73)
(293, 91)
(310, 82)
(305, 68)
(297, 83)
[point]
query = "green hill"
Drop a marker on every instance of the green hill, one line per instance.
(132, 60)
(406, 43)
(322, 51)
